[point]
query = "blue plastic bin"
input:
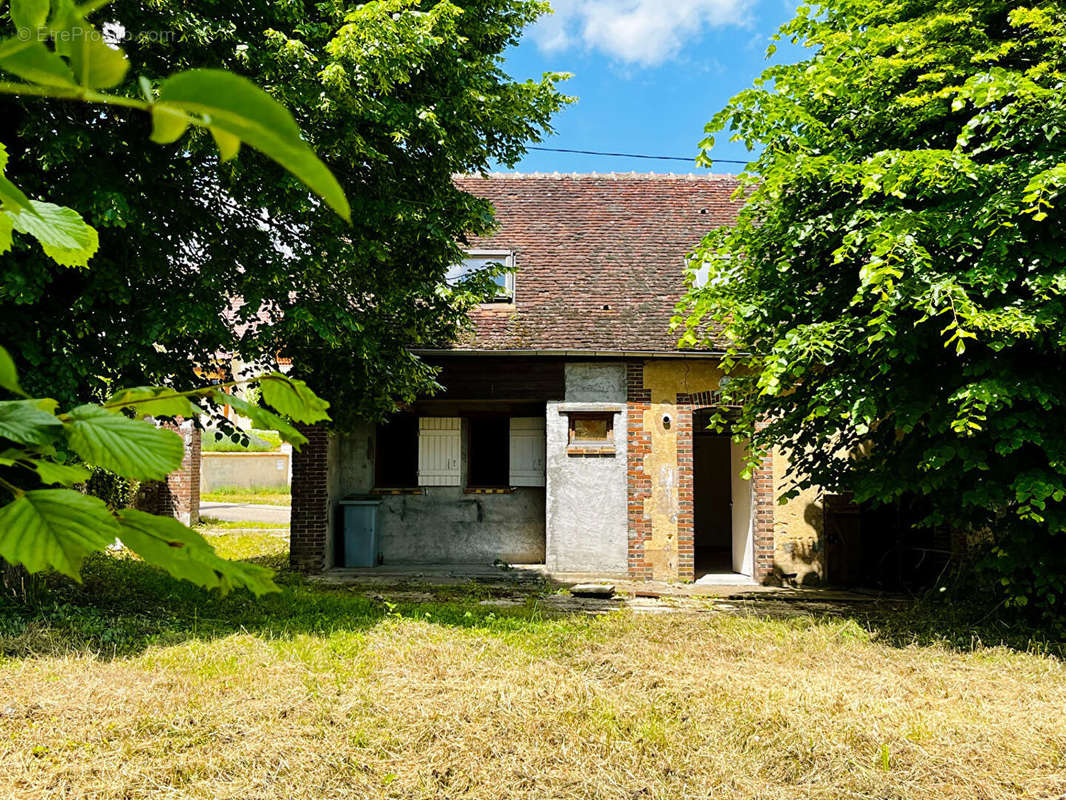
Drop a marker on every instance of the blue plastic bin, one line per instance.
(359, 520)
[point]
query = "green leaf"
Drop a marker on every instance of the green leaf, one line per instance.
(55, 528)
(29, 421)
(228, 145)
(128, 447)
(238, 108)
(7, 227)
(51, 472)
(63, 235)
(261, 418)
(155, 401)
(185, 554)
(95, 63)
(9, 377)
(37, 64)
(12, 197)
(293, 398)
(29, 14)
(168, 124)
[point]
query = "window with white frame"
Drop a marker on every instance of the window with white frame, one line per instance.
(500, 452)
(477, 260)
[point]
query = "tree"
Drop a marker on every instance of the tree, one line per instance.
(894, 288)
(394, 95)
(60, 55)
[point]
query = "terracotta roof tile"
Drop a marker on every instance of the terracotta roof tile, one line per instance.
(600, 257)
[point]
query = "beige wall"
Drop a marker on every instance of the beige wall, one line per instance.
(243, 470)
(666, 379)
(798, 527)
(797, 524)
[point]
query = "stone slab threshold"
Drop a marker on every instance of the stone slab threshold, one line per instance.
(526, 576)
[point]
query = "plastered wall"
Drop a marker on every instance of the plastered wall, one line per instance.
(441, 524)
(798, 529)
(586, 494)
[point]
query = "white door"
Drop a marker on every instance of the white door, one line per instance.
(743, 513)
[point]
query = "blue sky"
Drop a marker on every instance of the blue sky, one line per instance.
(648, 74)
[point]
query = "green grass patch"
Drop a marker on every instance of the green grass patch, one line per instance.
(417, 691)
(259, 441)
(256, 495)
(210, 525)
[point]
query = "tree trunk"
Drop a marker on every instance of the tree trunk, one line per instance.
(19, 584)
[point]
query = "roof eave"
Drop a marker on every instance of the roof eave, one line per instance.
(576, 353)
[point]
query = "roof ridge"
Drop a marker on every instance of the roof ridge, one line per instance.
(676, 176)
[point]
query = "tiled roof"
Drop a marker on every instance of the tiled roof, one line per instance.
(600, 257)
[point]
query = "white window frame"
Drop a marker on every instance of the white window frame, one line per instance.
(531, 471)
(505, 257)
(439, 451)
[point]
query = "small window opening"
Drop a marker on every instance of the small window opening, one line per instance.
(591, 429)
(477, 260)
(489, 453)
(396, 453)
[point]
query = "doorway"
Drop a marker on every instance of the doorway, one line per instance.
(722, 508)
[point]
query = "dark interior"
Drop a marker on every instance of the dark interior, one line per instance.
(396, 461)
(489, 453)
(713, 503)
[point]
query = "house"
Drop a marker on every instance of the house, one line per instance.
(572, 430)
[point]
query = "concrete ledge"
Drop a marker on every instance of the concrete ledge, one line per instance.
(584, 408)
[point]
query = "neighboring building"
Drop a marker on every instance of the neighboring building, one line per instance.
(571, 430)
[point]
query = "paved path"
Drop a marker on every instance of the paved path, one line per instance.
(245, 512)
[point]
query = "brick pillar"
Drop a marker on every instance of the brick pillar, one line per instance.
(309, 520)
(762, 481)
(686, 491)
(638, 483)
(179, 495)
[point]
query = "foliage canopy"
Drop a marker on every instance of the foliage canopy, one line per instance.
(395, 96)
(44, 522)
(894, 290)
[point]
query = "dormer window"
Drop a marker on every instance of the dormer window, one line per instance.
(477, 260)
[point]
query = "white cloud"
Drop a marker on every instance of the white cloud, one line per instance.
(643, 32)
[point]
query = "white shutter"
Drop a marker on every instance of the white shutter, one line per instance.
(438, 451)
(527, 451)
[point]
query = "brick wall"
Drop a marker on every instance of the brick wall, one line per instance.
(638, 401)
(763, 488)
(686, 515)
(179, 495)
(638, 398)
(309, 520)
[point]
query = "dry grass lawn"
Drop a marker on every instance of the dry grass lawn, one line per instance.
(138, 687)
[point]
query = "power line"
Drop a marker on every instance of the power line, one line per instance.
(627, 155)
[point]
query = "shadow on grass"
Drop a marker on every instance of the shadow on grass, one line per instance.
(124, 606)
(954, 622)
